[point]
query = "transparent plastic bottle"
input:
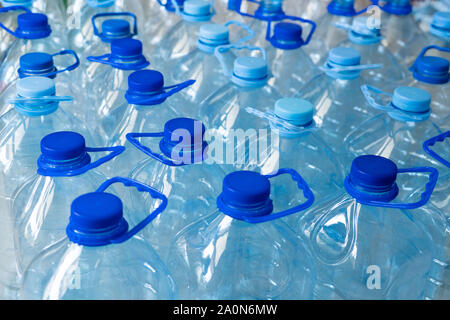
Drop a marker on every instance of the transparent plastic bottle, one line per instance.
(242, 250)
(370, 241)
(177, 166)
(9, 19)
(340, 105)
(101, 258)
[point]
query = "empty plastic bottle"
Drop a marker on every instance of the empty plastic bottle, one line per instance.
(181, 38)
(248, 85)
(178, 167)
(44, 65)
(65, 170)
(143, 108)
(36, 113)
(366, 38)
(242, 250)
(291, 67)
(201, 64)
(101, 258)
(397, 133)
(431, 73)
(340, 105)
(33, 34)
(373, 238)
(327, 36)
(9, 19)
(402, 32)
(125, 57)
(293, 128)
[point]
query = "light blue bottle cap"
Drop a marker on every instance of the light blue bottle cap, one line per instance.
(24, 3)
(440, 26)
(214, 33)
(100, 3)
(411, 99)
(250, 68)
(297, 111)
(35, 87)
(344, 56)
(197, 8)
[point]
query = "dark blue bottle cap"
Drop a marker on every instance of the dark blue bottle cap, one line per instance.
(116, 28)
(36, 63)
(126, 47)
(95, 219)
(245, 193)
(63, 145)
(33, 26)
(145, 81)
(398, 7)
(373, 173)
(286, 31)
(430, 69)
(341, 7)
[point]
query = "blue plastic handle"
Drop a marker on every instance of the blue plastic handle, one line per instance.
(141, 188)
(108, 59)
(422, 53)
(161, 96)
(44, 170)
(292, 18)
(431, 142)
(424, 197)
(12, 8)
(245, 27)
(132, 137)
(70, 67)
(302, 185)
(114, 14)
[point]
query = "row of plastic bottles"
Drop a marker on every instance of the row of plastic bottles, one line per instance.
(344, 197)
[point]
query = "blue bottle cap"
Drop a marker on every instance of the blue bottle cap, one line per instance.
(35, 87)
(63, 145)
(33, 26)
(398, 7)
(344, 56)
(145, 81)
(250, 68)
(297, 111)
(126, 47)
(100, 3)
(373, 173)
(36, 63)
(411, 99)
(431, 69)
(245, 193)
(286, 31)
(116, 28)
(95, 219)
(197, 7)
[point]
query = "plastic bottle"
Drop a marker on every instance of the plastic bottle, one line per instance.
(431, 73)
(9, 19)
(370, 241)
(248, 85)
(33, 34)
(178, 167)
(367, 40)
(108, 260)
(291, 66)
(65, 171)
(201, 64)
(293, 128)
(397, 132)
(242, 250)
(340, 105)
